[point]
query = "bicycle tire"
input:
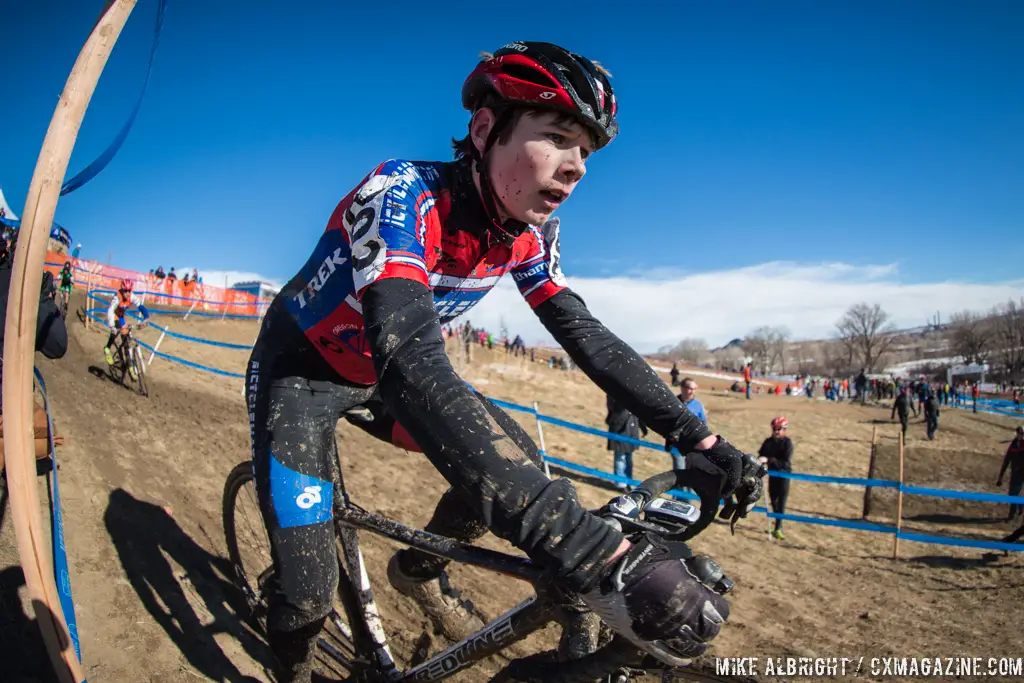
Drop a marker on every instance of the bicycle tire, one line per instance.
(140, 369)
(237, 478)
(333, 637)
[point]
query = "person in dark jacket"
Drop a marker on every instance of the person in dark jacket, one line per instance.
(624, 423)
(931, 415)
(903, 405)
(1014, 459)
(777, 451)
(51, 335)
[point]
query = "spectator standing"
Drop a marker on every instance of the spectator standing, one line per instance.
(903, 405)
(674, 373)
(624, 423)
(747, 372)
(1014, 459)
(975, 395)
(51, 334)
(160, 272)
(777, 451)
(931, 415)
(688, 397)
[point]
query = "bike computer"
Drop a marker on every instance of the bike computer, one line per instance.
(671, 512)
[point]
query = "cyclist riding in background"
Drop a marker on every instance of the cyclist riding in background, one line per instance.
(119, 304)
(67, 278)
(357, 333)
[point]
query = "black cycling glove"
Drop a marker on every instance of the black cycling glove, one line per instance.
(656, 597)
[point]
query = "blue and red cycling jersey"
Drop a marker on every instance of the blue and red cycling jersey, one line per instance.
(421, 221)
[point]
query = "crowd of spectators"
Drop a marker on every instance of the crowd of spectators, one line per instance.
(171, 277)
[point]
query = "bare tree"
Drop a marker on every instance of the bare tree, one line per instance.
(970, 336)
(729, 359)
(756, 344)
(1008, 338)
(692, 350)
(777, 340)
(836, 358)
(766, 347)
(865, 334)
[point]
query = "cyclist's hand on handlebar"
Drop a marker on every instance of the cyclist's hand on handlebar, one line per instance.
(740, 474)
(653, 597)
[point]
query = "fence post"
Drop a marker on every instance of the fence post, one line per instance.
(88, 298)
(871, 474)
(157, 345)
(540, 435)
(194, 302)
(899, 504)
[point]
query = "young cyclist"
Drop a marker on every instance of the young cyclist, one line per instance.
(67, 278)
(119, 303)
(358, 329)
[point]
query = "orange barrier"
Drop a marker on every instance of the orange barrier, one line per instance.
(164, 292)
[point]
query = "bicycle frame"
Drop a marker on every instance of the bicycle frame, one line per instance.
(519, 622)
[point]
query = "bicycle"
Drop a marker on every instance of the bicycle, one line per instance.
(62, 302)
(128, 362)
(353, 643)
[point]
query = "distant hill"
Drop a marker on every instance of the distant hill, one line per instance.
(734, 344)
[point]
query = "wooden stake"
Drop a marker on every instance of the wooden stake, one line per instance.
(899, 505)
(871, 474)
(540, 437)
(20, 335)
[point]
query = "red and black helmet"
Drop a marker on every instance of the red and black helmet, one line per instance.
(546, 76)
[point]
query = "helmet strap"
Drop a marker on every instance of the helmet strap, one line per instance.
(511, 228)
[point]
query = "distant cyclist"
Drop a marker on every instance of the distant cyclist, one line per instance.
(119, 304)
(67, 278)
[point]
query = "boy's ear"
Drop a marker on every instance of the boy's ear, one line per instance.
(480, 127)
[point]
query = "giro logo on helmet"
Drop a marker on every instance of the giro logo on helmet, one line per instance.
(518, 47)
(547, 95)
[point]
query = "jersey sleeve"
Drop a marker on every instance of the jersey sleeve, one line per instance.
(384, 227)
(111, 310)
(539, 275)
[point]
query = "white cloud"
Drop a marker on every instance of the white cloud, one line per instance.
(217, 278)
(660, 308)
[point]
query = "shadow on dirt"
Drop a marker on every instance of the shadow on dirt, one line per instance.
(941, 518)
(193, 598)
(22, 650)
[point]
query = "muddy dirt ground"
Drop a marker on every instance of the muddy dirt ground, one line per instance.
(142, 483)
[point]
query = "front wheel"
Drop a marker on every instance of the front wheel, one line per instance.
(140, 369)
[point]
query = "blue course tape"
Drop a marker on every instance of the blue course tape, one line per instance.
(169, 357)
(96, 293)
(199, 340)
(963, 495)
(961, 542)
(851, 481)
(189, 363)
(169, 333)
(93, 169)
(61, 573)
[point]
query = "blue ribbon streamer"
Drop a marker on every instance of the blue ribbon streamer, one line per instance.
(93, 169)
(61, 574)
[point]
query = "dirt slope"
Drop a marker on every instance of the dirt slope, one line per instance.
(142, 482)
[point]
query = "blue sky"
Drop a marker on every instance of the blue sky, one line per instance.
(884, 136)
